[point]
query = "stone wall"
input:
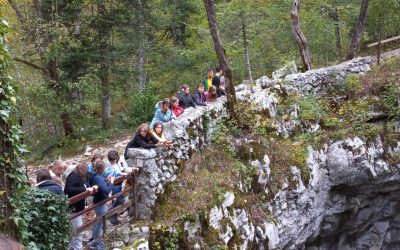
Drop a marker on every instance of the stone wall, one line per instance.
(190, 132)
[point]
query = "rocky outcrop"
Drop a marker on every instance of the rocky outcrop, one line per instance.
(190, 133)
(352, 201)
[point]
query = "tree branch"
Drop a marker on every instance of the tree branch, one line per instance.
(29, 64)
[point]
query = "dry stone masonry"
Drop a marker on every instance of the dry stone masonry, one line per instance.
(190, 133)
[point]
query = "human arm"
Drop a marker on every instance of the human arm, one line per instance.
(197, 100)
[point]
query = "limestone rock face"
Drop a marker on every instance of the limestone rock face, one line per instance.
(351, 201)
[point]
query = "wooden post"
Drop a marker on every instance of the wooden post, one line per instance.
(379, 52)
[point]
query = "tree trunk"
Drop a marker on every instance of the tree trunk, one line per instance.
(335, 17)
(106, 100)
(246, 48)
(142, 48)
(220, 51)
(299, 36)
(356, 38)
(51, 71)
(103, 35)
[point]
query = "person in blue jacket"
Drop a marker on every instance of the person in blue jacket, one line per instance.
(104, 189)
(163, 113)
(45, 182)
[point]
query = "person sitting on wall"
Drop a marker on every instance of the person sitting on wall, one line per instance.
(176, 109)
(212, 94)
(163, 113)
(207, 83)
(216, 81)
(185, 99)
(45, 182)
(57, 169)
(199, 97)
(143, 139)
(157, 131)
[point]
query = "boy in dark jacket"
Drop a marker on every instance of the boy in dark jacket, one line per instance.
(199, 96)
(185, 99)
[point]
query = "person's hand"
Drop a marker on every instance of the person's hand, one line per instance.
(112, 179)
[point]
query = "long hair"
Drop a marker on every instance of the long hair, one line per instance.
(163, 102)
(82, 170)
(144, 126)
(212, 94)
(156, 124)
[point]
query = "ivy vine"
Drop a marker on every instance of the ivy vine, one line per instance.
(12, 174)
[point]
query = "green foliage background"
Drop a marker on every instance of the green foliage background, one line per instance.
(178, 50)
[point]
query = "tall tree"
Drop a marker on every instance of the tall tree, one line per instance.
(220, 51)
(299, 36)
(39, 30)
(357, 34)
(12, 174)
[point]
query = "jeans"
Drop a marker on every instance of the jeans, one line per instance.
(120, 199)
(96, 231)
(75, 242)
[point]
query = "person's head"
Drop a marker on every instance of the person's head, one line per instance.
(158, 128)
(82, 170)
(186, 89)
(99, 167)
(174, 102)
(43, 175)
(200, 88)
(113, 156)
(59, 167)
(9, 243)
(143, 130)
(210, 73)
(96, 157)
(212, 93)
(218, 70)
(213, 89)
(164, 105)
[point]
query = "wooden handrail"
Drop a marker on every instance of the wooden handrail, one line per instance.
(383, 41)
(86, 194)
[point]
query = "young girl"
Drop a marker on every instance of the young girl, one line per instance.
(157, 131)
(78, 182)
(176, 109)
(104, 190)
(143, 139)
(163, 113)
(212, 94)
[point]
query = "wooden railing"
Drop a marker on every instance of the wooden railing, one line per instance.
(105, 216)
(379, 45)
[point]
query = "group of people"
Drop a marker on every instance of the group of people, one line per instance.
(152, 136)
(97, 178)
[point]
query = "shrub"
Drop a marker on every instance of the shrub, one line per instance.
(41, 218)
(141, 107)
